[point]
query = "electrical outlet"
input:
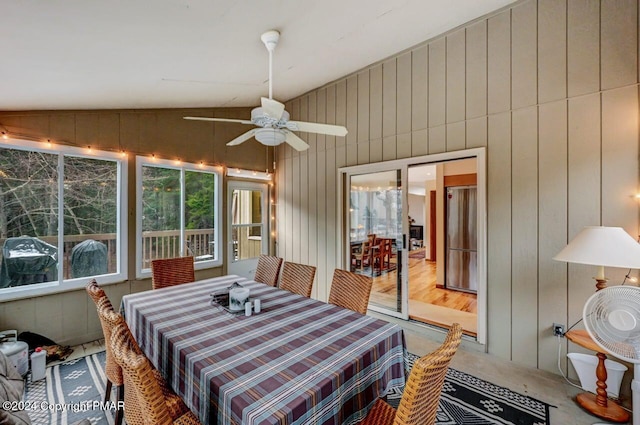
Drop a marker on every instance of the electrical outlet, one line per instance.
(558, 329)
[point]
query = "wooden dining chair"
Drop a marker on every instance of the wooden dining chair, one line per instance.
(421, 396)
(112, 370)
(148, 400)
(350, 290)
(297, 278)
(362, 257)
(268, 270)
(382, 259)
(172, 271)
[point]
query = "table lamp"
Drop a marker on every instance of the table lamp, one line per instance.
(603, 247)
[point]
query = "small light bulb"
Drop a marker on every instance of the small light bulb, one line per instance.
(178, 162)
(201, 164)
(5, 135)
(49, 142)
(123, 153)
(89, 149)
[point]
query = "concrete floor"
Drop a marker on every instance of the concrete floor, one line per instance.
(544, 386)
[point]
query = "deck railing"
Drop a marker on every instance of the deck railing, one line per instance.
(156, 244)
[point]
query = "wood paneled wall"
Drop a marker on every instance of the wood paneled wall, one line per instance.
(550, 88)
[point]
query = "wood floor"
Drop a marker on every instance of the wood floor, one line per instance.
(427, 303)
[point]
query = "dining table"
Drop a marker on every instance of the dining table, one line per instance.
(297, 361)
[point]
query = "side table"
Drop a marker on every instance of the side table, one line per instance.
(597, 404)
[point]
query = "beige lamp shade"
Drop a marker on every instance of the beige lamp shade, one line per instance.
(602, 246)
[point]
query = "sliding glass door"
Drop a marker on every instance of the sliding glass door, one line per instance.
(376, 242)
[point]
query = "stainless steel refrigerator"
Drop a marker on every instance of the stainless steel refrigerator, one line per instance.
(461, 240)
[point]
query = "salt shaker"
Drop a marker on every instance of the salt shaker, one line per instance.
(247, 308)
(256, 305)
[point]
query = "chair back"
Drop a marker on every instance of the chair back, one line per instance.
(421, 396)
(350, 290)
(95, 291)
(172, 271)
(105, 309)
(297, 278)
(268, 270)
(144, 400)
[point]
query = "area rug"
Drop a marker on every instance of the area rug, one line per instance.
(418, 254)
(71, 391)
(466, 399)
(76, 388)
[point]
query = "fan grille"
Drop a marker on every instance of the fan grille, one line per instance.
(602, 313)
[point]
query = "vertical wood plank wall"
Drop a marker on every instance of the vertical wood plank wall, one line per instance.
(550, 88)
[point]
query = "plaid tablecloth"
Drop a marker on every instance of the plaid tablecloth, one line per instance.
(299, 361)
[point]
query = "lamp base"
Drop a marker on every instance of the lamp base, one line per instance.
(611, 412)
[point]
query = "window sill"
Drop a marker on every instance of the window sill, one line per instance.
(52, 288)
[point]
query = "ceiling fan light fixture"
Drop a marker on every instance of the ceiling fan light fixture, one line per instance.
(270, 136)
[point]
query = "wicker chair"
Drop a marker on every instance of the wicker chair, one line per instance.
(350, 290)
(112, 370)
(95, 291)
(148, 399)
(297, 278)
(268, 270)
(172, 271)
(419, 402)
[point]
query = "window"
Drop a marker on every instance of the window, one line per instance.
(178, 213)
(61, 218)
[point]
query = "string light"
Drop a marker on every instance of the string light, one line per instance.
(89, 149)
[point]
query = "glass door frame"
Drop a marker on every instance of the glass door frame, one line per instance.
(264, 205)
(345, 175)
(342, 230)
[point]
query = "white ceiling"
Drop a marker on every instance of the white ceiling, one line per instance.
(91, 54)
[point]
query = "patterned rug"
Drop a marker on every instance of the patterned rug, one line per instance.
(75, 389)
(466, 399)
(71, 391)
(419, 254)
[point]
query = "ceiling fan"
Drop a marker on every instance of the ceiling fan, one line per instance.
(274, 126)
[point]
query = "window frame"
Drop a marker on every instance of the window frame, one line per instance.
(142, 161)
(61, 284)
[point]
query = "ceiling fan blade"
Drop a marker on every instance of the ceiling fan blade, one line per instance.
(243, 137)
(312, 127)
(218, 120)
(296, 142)
(272, 108)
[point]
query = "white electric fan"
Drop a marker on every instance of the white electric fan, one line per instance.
(274, 126)
(612, 319)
